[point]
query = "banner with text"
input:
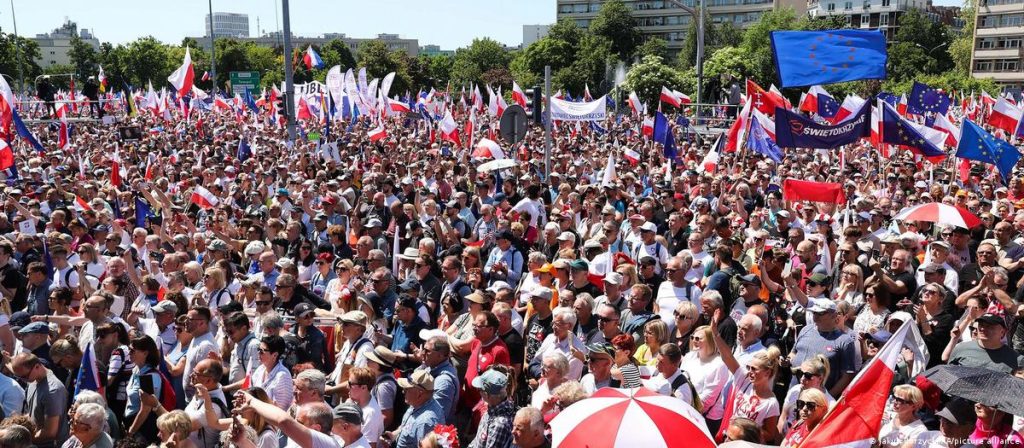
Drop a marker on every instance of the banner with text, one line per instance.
(562, 110)
(795, 131)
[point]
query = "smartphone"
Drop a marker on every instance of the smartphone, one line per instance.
(146, 383)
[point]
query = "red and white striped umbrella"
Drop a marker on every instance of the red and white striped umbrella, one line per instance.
(940, 213)
(630, 418)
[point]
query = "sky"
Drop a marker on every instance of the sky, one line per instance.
(448, 23)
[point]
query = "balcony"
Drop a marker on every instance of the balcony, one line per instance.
(998, 53)
(1000, 9)
(999, 31)
(1002, 77)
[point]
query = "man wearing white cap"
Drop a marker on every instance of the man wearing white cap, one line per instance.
(825, 338)
(649, 246)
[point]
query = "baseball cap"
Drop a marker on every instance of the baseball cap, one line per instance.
(750, 278)
(35, 328)
(217, 244)
(492, 382)
(540, 292)
(499, 285)
(880, 336)
(373, 222)
(818, 278)
(579, 265)
(349, 412)
(566, 236)
(601, 349)
(932, 268)
(648, 227)
(304, 308)
(419, 378)
(990, 318)
(409, 284)
(165, 306)
(822, 306)
(613, 278)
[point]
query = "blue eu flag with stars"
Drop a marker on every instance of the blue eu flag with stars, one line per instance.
(926, 99)
(976, 144)
(805, 58)
(897, 131)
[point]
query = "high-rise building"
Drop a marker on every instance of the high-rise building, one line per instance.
(228, 24)
(533, 33)
(998, 32)
(54, 46)
(882, 14)
(661, 18)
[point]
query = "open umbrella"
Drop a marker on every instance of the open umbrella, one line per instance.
(939, 213)
(496, 165)
(630, 418)
(988, 387)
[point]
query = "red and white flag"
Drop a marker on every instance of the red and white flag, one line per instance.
(945, 124)
(635, 104)
(81, 204)
(518, 96)
(683, 98)
(632, 156)
(710, 162)
(1005, 115)
(204, 198)
(647, 128)
(115, 170)
(487, 148)
(378, 134)
(7, 104)
(850, 105)
(669, 98)
(856, 419)
(182, 78)
(450, 129)
(206, 76)
(901, 108)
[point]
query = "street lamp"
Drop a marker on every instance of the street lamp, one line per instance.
(699, 15)
(213, 52)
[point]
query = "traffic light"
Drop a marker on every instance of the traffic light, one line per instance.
(534, 104)
(282, 105)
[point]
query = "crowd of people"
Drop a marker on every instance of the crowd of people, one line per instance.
(344, 291)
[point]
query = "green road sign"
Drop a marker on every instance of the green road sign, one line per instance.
(242, 81)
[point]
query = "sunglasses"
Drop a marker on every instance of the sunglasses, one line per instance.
(800, 375)
(605, 320)
(810, 406)
(899, 400)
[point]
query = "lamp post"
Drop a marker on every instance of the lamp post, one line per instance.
(699, 15)
(213, 52)
(17, 50)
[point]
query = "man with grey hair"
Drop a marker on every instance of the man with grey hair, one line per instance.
(495, 429)
(748, 338)
(436, 356)
(561, 340)
(88, 427)
(309, 387)
(15, 436)
(586, 328)
(528, 429)
(311, 427)
(711, 300)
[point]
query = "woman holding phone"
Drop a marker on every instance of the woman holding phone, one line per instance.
(145, 378)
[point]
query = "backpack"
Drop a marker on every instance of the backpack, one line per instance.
(694, 398)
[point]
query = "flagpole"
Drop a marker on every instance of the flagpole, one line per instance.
(213, 52)
(289, 85)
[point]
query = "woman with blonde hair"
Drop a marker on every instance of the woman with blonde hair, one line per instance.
(851, 285)
(707, 373)
(752, 386)
(686, 317)
(266, 435)
(811, 405)
(655, 335)
(810, 374)
(905, 425)
(174, 428)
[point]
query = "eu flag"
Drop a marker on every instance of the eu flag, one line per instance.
(897, 131)
(888, 98)
(805, 58)
(976, 144)
(926, 99)
(663, 135)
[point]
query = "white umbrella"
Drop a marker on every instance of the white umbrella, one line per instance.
(496, 165)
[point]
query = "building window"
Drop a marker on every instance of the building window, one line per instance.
(581, 8)
(865, 19)
(983, 66)
(564, 9)
(1011, 42)
(1007, 65)
(1013, 20)
(848, 6)
(883, 19)
(885, 3)
(831, 7)
(986, 43)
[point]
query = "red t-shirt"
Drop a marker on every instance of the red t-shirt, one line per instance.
(481, 357)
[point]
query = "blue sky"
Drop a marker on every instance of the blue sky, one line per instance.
(448, 23)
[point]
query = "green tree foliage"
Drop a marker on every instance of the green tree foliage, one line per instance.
(963, 42)
(931, 38)
(479, 57)
(336, 52)
(83, 57)
(146, 60)
(757, 45)
(654, 46)
(726, 63)
(61, 82)
(440, 67)
(18, 52)
(647, 78)
(589, 67)
(949, 81)
(615, 23)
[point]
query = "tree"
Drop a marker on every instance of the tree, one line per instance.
(480, 56)
(146, 60)
(377, 58)
(18, 55)
(615, 23)
(757, 45)
(83, 57)
(440, 67)
(726, 63)
(653, 46)
(567, 31)
(592, 62)
(647, 77)
(963, 43)
(548, 51)
(931, 37)
(60, 82)
(336, 52)
(906, 61)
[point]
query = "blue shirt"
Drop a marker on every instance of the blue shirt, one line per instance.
(134, 388)
(446, 388)
(417, 423)
(12, 396)
(405, 334)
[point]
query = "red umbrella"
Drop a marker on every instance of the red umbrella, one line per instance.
(939, 213)
(630, 418)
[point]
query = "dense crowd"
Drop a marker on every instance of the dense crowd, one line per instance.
(343, 292)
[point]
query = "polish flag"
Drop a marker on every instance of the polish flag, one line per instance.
(478, 99)
(901, 108)
(856, 418)
(1005, 115)
(683, 98)
(945, 124)
(206, 76)
(648, 127)
(470, 126)
(738, 128)
(518, 96)
(81, 205)
(398, 106)
(377, 134)
(182, 78)
(819, 101)
(710, 162)
(635, 104)
(669, 98)
(987, 100)
(492, 102)
(64, 133)
(502, 105)
(220, 103)
(204, 198)
(487, 148)
(850, 105)
(115, 169)
(7, 104)
(449, 129)
(632, 156)
(586, 93)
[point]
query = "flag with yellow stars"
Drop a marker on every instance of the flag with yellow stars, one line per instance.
(977, 144)
(805, 58)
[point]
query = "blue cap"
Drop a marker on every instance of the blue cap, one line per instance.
(36, 328)
(492, 382)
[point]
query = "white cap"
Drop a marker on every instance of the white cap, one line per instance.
(567, 236)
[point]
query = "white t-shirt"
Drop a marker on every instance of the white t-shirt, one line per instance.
(361, 443)
(373, 420)
(748, 404)
(669, 297)
(891, 436)
(709, 381)
(663, 386)
(320, 440)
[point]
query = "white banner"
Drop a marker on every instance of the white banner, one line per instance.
(568, 111)
(309, 88)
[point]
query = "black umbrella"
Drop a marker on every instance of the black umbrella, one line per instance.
(988, 387)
